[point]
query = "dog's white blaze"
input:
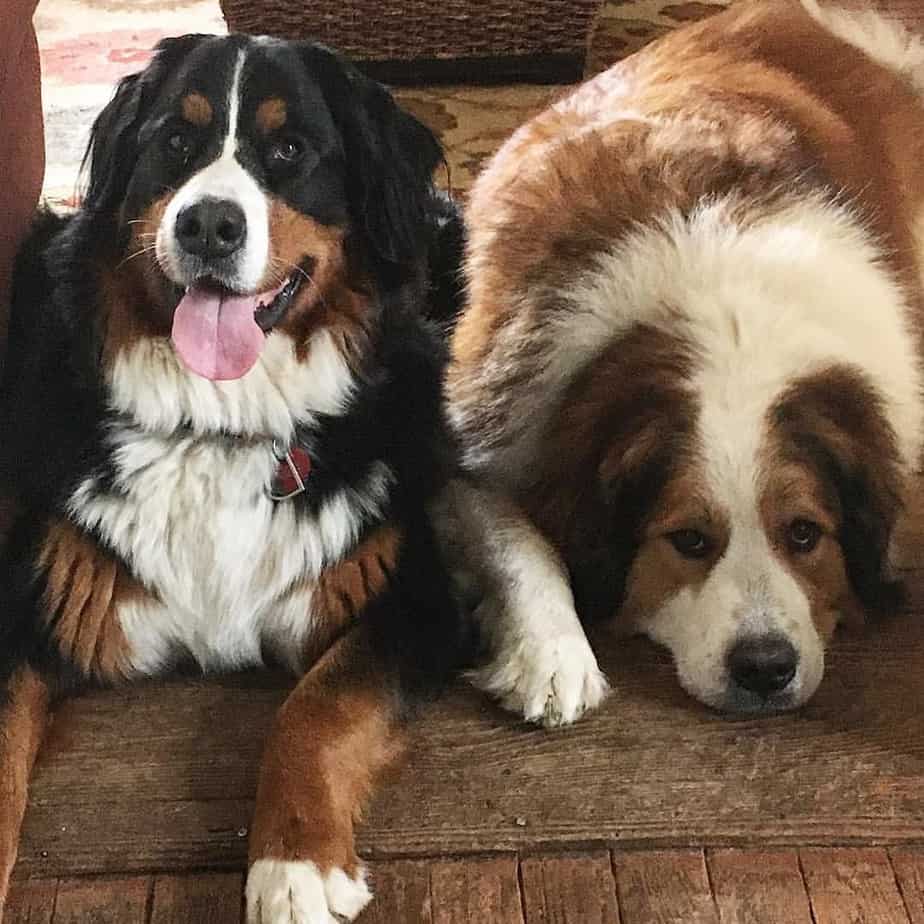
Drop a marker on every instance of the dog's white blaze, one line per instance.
(230, 146)
(193, 519)
(224, 178)
(749, 591)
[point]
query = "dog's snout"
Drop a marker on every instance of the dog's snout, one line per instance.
(211, 228)
(763, 664)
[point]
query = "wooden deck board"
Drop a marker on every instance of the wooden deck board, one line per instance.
(203, 899)
(123, 900)
(909, 872)
(847, 886)
(759, 887)
(464, 891)
(31, 902)
(577, 889)
(402, 893)
(162, 776)
(664, 887)
(852, 887)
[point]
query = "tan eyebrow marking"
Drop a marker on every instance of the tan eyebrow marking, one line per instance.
(197, 109)
(271, 114)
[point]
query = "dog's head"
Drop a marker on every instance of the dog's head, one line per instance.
(739, 544)
(259, 191)
(730, 413)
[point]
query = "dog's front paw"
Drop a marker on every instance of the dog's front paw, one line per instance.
(281, 892)
(553, 682)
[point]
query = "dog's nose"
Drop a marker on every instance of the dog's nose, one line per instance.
(211, 229)
(763, 664)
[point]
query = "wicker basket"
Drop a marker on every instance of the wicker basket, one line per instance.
(475, 41)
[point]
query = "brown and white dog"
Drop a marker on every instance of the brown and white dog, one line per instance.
(690, 363)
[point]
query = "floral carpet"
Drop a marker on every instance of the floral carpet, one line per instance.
(87, 45)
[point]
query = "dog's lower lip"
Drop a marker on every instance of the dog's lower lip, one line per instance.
(268, 316)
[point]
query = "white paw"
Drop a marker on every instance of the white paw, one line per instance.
(280, 892)
(554, 681)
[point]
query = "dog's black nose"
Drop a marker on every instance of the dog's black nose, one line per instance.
(763, 664)
(211, 229)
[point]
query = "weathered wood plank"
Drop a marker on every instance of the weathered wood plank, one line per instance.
(31, 901)
(758, 887)
(205, 898)
(577, 889)
(908, 865)
(664, 887)
(852, 885)
(848, 769)
(402, 893)
(476, 890)
(136, 837)
(103, 901)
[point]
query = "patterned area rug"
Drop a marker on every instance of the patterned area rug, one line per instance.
(87, 45)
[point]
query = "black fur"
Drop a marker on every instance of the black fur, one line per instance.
(373, 175)
(387, 151)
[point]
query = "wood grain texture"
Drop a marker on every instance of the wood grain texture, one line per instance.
(469, 891)
(162, 776)
(577, 889)
(855, 886)
(205, 899)
(732, 887)
(103, 901)
(402, 893)
(664, 887)
(758, 887)
(908, 865)
(31, 902)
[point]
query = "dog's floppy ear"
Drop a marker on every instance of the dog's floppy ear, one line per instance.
(627, 422)
(113, 147)
(869, 496)
(109, 153)
(836, 421)
(390, 159)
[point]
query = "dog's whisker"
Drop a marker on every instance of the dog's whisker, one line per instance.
(146, 249)
(288, 265)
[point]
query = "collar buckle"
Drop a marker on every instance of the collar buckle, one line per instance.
(291, 473)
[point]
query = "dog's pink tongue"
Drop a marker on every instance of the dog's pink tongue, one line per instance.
(215, 333)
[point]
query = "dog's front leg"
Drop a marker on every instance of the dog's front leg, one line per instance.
(25, 703)
(540, 663)
(332, 737)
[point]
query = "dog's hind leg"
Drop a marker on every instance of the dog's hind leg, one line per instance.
(24, 709)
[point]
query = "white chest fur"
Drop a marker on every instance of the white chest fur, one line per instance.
(194, 521)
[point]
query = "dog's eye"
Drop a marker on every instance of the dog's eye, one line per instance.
(284, 152)
(691, 543)
(179, 147)
(803, 536)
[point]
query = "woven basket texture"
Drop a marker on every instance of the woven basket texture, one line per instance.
(392, 30)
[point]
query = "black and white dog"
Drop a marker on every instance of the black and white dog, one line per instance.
(221, 417)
